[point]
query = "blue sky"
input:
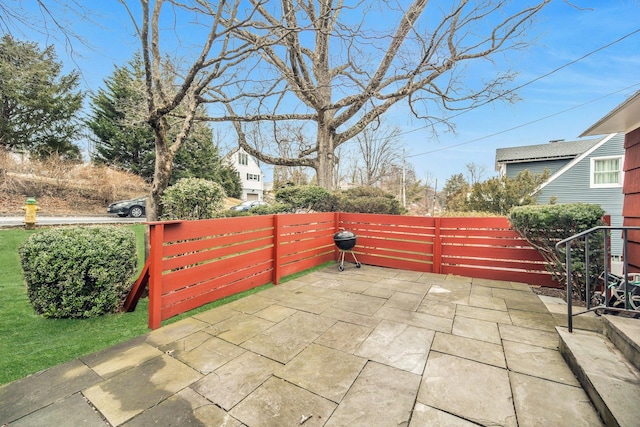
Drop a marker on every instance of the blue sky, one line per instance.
(571, 99)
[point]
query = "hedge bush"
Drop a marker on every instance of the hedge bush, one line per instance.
(303, 198)
(313, 198)
(79, 272)
(545, 225)
(369, 200)
(192, 198)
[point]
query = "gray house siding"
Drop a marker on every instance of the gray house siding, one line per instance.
(554, 166)
(573, 186)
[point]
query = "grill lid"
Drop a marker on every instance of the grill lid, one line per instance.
(343, 235)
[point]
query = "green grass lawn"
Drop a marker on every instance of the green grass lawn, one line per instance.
(31, 343)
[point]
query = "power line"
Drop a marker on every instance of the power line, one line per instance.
(525, 124)
(555, 70)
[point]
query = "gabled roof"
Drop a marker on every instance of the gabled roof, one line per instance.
(551, 151)
(624, 118)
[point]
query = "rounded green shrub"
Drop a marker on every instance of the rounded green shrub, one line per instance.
(304, 198)
(369, 200)
(78, 272)
(192, 198)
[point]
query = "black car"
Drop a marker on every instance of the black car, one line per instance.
(134, 208)
(249, 204)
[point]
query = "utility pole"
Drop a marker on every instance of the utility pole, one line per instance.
(435, 197)
(404, 192)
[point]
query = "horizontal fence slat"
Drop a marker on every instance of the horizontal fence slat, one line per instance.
(181, 247)
(530, 278)
(204, 260)
(191, 275)
(515, 264)
(403, 264)
(206, 298)
(214, 283)
(187, 230)
(305, 264)
(491, 252)
(215, 253)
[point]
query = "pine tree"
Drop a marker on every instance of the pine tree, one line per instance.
(38, 104)
(123, 139)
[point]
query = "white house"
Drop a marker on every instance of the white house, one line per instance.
(251, 175)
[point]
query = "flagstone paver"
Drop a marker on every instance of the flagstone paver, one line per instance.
(279, 403)
(120, 398)
(381, 396)
(530, 336)
(240, 328)
(286, 339)
(343, 336)
(232, 382)
(468, 389)
(538, 361)
(364, 347)
(480, 313)
(73, 410)
(203, 353)
(323, 371)
(414, 318)
(424, 415)
(540, 402)
(185, 408)
(481, 330)
(114, 360)
(468, 348)
(399, 345)
(39, 390)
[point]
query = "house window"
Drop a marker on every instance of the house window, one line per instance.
(253, 177)
(606, 172)
(243, 158)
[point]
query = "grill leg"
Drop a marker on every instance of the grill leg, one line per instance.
(341, 265)
(358, 265)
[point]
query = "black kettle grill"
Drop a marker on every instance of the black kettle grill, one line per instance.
(345, 241)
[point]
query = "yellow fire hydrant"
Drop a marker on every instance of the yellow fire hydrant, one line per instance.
(30, 209)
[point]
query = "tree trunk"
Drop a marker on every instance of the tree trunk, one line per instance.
(161, 177)
(326, 158)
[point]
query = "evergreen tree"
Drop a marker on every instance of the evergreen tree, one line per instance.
(456, 190)
(499, 194)
(38, 104)
(123, 139)
(120, 139)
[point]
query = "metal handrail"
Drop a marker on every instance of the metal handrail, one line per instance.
(586, 234)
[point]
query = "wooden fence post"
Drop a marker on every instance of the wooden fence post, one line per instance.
(437, 247)
(156, 237)
(276, 249)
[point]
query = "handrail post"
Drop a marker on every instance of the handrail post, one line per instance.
(569, 287)
(625, 272)
(587, 284)
(606, 268)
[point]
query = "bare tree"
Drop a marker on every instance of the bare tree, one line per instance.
(476, 172)
(52, 18)
(334, 66)
(379, 148)
(208, 64)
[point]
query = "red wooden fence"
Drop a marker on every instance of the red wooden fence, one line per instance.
(192, 263)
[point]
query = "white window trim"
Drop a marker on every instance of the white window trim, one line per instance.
(592, 184)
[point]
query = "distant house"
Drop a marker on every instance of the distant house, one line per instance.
(625, 118)
(584, 171)
(250, 174)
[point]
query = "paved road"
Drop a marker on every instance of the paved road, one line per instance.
(17, 221)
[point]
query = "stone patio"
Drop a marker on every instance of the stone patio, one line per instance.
(363, 347)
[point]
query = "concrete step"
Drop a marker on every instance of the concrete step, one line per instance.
(624, 333)
(609, 378)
